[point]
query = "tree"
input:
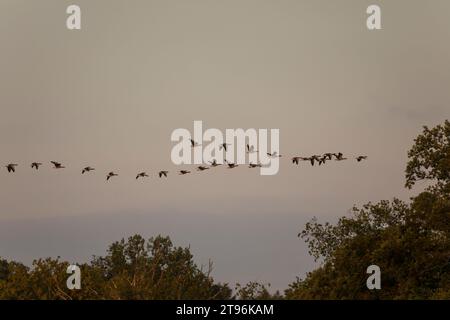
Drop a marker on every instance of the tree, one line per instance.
(410, 242)
(132, 269)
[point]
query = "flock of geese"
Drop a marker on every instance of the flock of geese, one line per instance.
(320, 159)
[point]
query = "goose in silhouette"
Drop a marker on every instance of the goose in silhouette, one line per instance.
(314, 158)
(57, 165)
(323, 160)
(11, 167)
(328, 155)
(224, 146)
(274, 155)
(359, 158)
(141, 175)
(35, 165)
(255, 165)
(338, 155)
(297, 159)
(194, 144)
(232, 165)
(110, 175)
(251, 149)
(214, 163)
(183, 172)
(163, 173)
(87, 169)
(202, 168)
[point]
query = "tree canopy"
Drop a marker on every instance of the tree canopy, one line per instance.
(410, 242)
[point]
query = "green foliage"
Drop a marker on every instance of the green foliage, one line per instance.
(410, 242)
(429, 158)
(133, 269)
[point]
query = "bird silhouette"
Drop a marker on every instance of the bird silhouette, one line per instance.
(35, 165)
(57, 165)
(359, 158)
(202, 168)
(232, 165)
(163, 173)
(87, 169)
(338, 155)
(183, 172)
(194, 144)
(297, 159)
(110, 175)
(274, 155)
(224, 146)
(214, 163)
(255, 165)
(141, 175)
(11, 167)
(251, 149)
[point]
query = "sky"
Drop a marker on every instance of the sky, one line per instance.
(110, 95)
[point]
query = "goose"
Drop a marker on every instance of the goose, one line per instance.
(57, 165)
(11, 167)
(183, 172)
(232, 165)
(322, 160)
(87, 169)
(359, 158)
(297, 159)
(214, 163)
(224, 146)
(194, 144)
(314, 158)
(327, 155)
(274, 155)
(251, 149)
(163, 173)
(111, 174)
(255, 165)
(338, 155)
(35, 165)
(202, 168)
(141, 175)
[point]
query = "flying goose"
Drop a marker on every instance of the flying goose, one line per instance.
(359, 158)
(214, 163)
(141, 175)
(274, 155)
(163, 173)
(194, 144)
(35, 165)
(255, 165)
(314, 158)
(111, 174)
(57, 165)
(338, 156)
(87, 169)
(11, 167)
(224, 146)
(251, 149)
(232, 165)
(328, 155)
(297, 159)
(322, 160)
(183, 172)
(202, 168)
